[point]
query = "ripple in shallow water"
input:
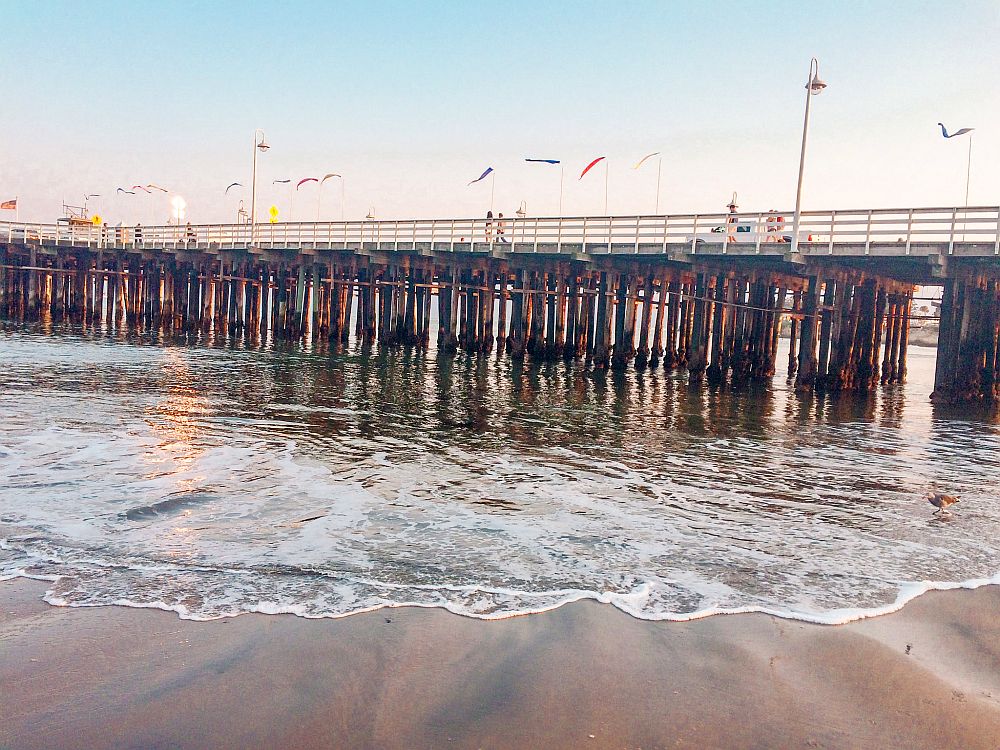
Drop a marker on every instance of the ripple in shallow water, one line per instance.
(213, 480)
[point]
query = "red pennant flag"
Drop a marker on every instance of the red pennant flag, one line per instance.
(589, 166)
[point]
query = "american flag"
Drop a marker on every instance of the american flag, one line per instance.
(10, 205)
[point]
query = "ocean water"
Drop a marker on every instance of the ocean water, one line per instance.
(214, 477)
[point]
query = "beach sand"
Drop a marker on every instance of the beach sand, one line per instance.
(582, 676)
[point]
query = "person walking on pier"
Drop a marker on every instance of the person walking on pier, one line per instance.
(500, 223)
(489, 227)
(189, 233)
(731, 221)
(137, 234)
(772, 226)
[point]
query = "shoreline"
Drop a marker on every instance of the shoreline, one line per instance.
(908, 592)
(584, 674)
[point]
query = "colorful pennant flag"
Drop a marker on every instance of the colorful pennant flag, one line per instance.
(946, 134)
(643, 159)
(282, 182)
(304, 180)
(235, 184)
(482, 176)
(590, 166)
(328, 176)
(544, 161)
(140, 187)
(123, 190)
(157, 187)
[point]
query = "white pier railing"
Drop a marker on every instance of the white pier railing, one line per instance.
(901, 229)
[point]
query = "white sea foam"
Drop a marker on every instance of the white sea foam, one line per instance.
(164, 489)
(521, 603)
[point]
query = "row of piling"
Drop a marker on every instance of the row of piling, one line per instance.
(859, 319)
(847, 331)
(968, 357)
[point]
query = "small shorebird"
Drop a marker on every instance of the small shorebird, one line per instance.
(940, 501)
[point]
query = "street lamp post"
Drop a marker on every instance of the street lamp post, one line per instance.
(968, 172)
(813, 86)
(262, 146)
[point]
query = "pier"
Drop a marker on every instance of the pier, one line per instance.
(704, 293)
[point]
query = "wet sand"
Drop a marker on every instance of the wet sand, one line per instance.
(583, 676)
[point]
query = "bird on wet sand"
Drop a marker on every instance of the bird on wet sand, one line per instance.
(940, 501)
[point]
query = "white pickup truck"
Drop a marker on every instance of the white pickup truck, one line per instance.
(751, 231)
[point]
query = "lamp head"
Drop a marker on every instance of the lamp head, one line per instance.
(816, 85)
(262, 145)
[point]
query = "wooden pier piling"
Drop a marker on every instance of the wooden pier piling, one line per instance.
(719, 321)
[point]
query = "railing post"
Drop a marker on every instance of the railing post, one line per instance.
(833, 223)
(694, 235)
(757, 232)
(909, 230)
(665, 224)
(868, 234)
(638, 221)
(951, 236)
(584, 233)
(996, 242)
(535, 248)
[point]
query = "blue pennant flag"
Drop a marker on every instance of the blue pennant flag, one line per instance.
(482, 176)
(946, 134)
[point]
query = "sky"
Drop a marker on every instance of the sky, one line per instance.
(410, 101)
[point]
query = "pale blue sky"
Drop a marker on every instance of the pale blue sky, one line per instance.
(411, 101)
